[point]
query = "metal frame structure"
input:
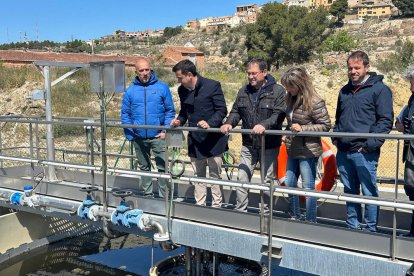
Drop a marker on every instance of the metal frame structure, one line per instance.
(245, 235)
(44, 68)
(326, 248)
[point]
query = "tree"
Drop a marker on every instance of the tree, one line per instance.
(406, 7)
(284, 35)
(170, 32)
(338, 9)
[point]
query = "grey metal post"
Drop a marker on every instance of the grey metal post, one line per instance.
(215, 263)
(188, 269)
(198, 262)
(31, 153)
(92, 152)
(269, 227)
(1, 146)
(394, 218)
(87, 145)
(51, 174)
(262, 180)
(103, 140)
(37, 142)
(168, 187)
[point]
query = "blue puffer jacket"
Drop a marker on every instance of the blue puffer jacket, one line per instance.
(146, 104)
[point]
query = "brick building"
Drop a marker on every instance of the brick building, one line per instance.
(172, 55)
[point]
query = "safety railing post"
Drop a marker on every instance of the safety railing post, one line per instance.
(168, 183)
(37, 141)
(131, 153)
(31, 153)
(262, 181)
(394, 218)
(269, 227)
(92, 152)
(1, 146)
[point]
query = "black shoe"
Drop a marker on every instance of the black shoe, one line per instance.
(150, 195)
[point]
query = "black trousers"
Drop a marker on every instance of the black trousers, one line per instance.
(409, 191)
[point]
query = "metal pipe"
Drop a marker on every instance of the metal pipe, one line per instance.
(1, 147)
(188, 269)
(140, 173)
(37, 142)
(31, 154)
(51, 174)
(107, 231)
(269, 228)
(394, 216)
(262, 181)
(197, 262)
(293, 191)
(92, 153)
(20, 159)
(69, 165)
(100, 213)
(45, 201)
(235, 130)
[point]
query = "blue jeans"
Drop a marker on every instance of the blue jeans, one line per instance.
(359, 170)
(306, 168)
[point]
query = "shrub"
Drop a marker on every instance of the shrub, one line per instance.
(339, 42)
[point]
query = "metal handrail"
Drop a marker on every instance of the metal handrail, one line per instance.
(262, 187)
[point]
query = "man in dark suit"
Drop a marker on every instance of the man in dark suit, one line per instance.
(202, 105)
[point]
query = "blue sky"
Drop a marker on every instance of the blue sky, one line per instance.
(62, 21)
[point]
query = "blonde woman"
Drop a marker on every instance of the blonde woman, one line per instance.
(305, 111)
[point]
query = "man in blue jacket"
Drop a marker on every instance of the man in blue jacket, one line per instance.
(364, 106)
(148, 101)
(202, 105)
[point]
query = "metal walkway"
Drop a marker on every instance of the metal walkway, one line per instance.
(312, 248)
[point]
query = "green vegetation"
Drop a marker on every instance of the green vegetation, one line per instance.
(15, 77)
(339, 9)
(30, 45)
(339, 42)
(75, 46)
(172, 31)
(397, 62)
(285, 35)
(406, 7)
(168, 33)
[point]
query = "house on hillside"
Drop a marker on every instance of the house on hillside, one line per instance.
(172, 55)
(372, 8)
(244, 14)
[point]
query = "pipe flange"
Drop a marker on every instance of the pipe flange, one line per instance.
(161, 238)
(143, 221)
(92, 211)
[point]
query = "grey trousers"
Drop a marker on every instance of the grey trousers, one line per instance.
(249, 157)
(200, 189)
(143, 148)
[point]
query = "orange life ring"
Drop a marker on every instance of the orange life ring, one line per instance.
(329, 164)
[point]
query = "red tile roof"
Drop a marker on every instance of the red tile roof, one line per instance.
(185, 50)
(30, 56)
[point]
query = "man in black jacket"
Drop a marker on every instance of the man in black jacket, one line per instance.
(364, 106)
(261, 106)
(202, 105)
(405, 123)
